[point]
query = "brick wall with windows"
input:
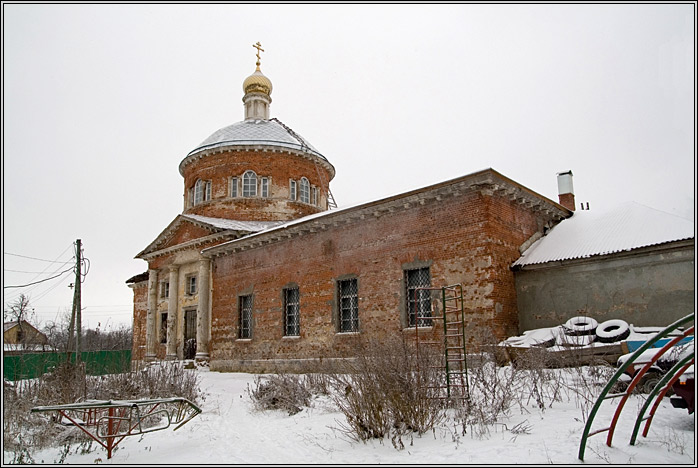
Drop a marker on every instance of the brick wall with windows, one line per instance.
(464, 232)
(261, 190)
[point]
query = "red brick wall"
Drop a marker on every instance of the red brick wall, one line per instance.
(470, 238)
(280, 166)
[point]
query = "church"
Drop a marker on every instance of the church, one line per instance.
(262, 271)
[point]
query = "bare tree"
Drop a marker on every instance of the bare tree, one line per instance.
(19, 311)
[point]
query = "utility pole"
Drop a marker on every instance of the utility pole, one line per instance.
(76, 319)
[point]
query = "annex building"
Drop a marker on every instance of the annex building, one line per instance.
(261, 269)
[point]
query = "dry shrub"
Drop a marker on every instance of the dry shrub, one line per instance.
(24, 432)
(385, 391)
(285, 392)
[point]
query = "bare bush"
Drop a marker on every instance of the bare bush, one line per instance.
(385, 391)
(24, 432)
(280, 392)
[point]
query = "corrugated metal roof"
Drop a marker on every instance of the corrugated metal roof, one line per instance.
(599, 232)
(258, 132)
(233, 225)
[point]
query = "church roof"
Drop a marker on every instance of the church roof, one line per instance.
(623, 228)
(270, 132)
(216, 226)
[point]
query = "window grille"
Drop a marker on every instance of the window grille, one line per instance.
(165, 289)
(418, 300)
(292, 326)
(249, 184)
(265, 187)
(245, 309)
(234, 187)
(292, 190)
(305, 190)
(348, 305)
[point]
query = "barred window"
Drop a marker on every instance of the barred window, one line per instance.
(305, 190)
(249, 184)
(418, 301)
(245, 313)
(292, 325)
(348, 302)
(234, 187)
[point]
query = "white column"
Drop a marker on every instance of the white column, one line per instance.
(172, 314)
(151, 316)
(204, 313)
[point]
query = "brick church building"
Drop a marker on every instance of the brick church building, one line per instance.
(261, 268)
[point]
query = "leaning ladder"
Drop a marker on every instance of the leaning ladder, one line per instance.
(453, 365)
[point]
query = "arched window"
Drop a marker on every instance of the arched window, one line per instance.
(202, 191)
(249, 184)
(305, 190)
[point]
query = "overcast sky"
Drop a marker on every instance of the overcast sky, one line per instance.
(101, 103)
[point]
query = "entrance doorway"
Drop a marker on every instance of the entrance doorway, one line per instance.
(189, 334)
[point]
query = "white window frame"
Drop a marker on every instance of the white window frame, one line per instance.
(264, 187)
(305, 190)
(202, 191)
(292, 189)
(191, 285)
(234, 187)
(249, 184)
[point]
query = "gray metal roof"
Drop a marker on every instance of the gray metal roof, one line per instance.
(270, 132)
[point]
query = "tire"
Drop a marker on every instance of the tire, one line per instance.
(580, 326)
(649, 381)
(611, 331)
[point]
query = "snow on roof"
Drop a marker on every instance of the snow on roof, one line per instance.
(233, 225)
(257, 132)
(599, 232)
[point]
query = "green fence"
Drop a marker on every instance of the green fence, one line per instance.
(32, 365)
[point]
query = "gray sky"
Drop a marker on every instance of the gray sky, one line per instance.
(101, 102)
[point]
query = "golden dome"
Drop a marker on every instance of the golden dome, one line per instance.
(257, 83)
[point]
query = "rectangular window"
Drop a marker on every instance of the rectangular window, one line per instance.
(292, 190)
(348, 302)
(292, 325)
(315, 201)
(163, 327)
(245, 313)
(165, 289)
(418, 301)
(265, 187)
(191, 285)
(234, 187)
(208, 190)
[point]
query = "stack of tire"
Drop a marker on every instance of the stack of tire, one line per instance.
(610, 331)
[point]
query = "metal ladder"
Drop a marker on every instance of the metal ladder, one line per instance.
(452, 347)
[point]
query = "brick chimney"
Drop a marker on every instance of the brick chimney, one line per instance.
(565, 189)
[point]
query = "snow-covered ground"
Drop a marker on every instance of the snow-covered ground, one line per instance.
(231, 431)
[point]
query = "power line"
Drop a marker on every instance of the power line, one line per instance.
(33, 258)
(40, 281)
